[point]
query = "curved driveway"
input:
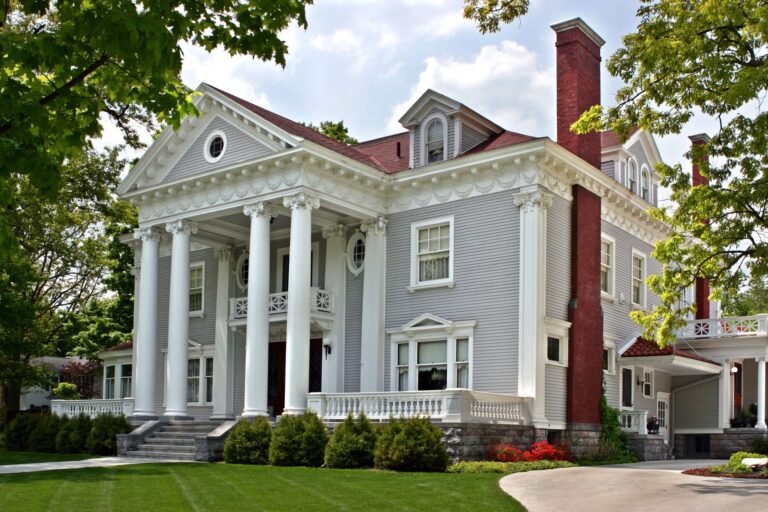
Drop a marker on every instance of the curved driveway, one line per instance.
(645, 486)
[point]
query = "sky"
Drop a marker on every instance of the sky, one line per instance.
(366, 61)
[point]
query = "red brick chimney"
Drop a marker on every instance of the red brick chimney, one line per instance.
(578, 89)
(702, 284)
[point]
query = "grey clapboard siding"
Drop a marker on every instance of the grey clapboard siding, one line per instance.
(416, 145)
(609, 168)
(558, 258)
(240, 147)
(661, 382)
(555, 386)
(611, 386)
(696, 406)
(486, 274)
(238, 372)
(352, 332)
(469, 138)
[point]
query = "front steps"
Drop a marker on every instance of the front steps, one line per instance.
(173, 440)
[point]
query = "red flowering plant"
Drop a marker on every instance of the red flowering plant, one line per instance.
(505, 452)
(540, 450)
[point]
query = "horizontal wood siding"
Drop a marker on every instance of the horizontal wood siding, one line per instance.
(611, 387)
(609, 168)
(558, 258)
(696, 406)
(555, 386)
(352, 332)
(238, 372)
(486, 274)
(470, 138)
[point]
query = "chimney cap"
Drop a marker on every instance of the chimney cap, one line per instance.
(699, 138)
(581, 25)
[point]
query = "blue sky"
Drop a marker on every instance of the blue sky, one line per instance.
(366, 61)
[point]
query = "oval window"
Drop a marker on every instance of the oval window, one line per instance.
(241, 271)
(356, 253)
(215, 145)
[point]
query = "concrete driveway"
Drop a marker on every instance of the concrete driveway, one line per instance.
(657, 486)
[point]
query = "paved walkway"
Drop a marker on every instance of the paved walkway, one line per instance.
(100, 462)
(658, 486)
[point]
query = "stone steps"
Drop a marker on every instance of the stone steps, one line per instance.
(173, 440)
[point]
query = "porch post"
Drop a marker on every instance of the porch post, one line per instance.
(178, 320)
(146, 326)
(725, 395)
(222, 369)
(372, 335)
(335, 282)
(257, 320)
(760, 393)
(297, 322)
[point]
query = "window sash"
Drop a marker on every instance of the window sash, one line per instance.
(193, 381)
(208, 379)
(626, 387)
(638, 278)
(196, 289)
(606, 266)
(553, 349)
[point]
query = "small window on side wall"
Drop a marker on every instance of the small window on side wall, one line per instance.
(196, 284)
(553, 349)
(435, 142)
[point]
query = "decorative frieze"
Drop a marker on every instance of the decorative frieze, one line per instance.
(301, 201)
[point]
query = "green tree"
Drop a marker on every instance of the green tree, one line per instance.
(490, 14)
(64, 64)
(334, 130)
(751, 300)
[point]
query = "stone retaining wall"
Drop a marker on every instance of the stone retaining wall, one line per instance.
(647, 447)
(470, 441)
(721, 446)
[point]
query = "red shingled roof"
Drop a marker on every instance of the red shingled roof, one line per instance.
(384, 151)
(644, 348)
(611, 138)
(128, 345)
(501, 140)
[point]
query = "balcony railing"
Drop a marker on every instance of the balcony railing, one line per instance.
(729, 327)
(634, 421)
(92, 408)
(450, 405)
(320, 301)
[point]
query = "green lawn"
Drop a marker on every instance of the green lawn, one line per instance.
(30, 457)
(222, 487)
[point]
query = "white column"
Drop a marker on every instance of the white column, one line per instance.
(299, 282)
(760, 393)
(145, 349)
(178, 320)
(257, 321)
(336, 284)
(222, 357)
(725, 395)
(374, 279)
(533, 204)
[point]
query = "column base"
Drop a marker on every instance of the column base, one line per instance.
(254, 414)
(222, 417)
(141, 416)
(761, 426)
(174, 416)
(294, 411)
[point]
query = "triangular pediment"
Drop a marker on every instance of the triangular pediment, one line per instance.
(427, 103)
(427, 321)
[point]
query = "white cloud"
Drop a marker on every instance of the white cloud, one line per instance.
(504, 82)
(340, 41)
(445, 24)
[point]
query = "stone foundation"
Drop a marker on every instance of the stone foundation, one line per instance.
(647, 447)
(721, 446)
(470, 441)
(584, 441)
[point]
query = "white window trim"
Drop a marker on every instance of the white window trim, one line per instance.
(122, 377)
(198, 313)
(440, 331)
(642, 386)
(632, 163)
(557, 329)
(610, 346)
(437, 283)
(357, 235)
(238, 276)
(424, 125)
(644, 287)
(201, 352)
(645, 171)
(281, 252)
(611, 293)
(114, 379)
(631, 389)
(206, 153)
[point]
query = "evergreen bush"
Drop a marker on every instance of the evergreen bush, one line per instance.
(735, 464)
(43, 437)
(66, 391)
(102, 439)
(298, 441)
(352, 444)
(411, 445)
(760, 445)
(248, 442)
(19, 430)
(74, 434)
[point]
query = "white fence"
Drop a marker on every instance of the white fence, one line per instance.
(450, 405)
(92, 408)
(320, 301)
(634, 421)
(729, 327)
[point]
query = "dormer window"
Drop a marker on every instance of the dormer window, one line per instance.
(633, 176)
(645, 184)
(435, 141)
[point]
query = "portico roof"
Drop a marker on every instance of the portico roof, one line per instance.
(670, 359)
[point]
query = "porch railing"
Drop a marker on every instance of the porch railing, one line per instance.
(92, 408)
(728, 327)
(320, 301)
(634, 421)
(450, 405)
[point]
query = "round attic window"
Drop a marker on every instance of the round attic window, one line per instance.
(241, 271)
(356, 253)
(215, 145)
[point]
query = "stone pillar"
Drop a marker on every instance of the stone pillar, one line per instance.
(374, 287)
(336, 284)
(760, 393)
(145, 349)
(178, 320)
(257, 321)
(725, 395)
(299, 283)
(533, 204)
(222, 359)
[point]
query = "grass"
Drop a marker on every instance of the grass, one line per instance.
(202, 487)
(32, 457)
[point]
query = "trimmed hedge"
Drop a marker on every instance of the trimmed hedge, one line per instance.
(248, 442)
(298, 441)
(507, 467)
(102, 439)
(352, 445)
(73, 436)
(411, 445)
(43, 437)
(760, 445)
(18, 431)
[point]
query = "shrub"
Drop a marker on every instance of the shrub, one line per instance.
(298, 441)
(411, 445)
(248, 442)
(507, 467)
(352, 444)
(505, 452)
(736, 466)
(19, 430)
(760, 445)
(66, 391)
(102, 439)
(73, 435)
(43, 437)
(540, 450)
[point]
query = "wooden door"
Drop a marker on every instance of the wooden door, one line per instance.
(276, 384)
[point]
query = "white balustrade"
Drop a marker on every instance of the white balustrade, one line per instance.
(322, 302)
(634, 421)
(92, 408)
(728, 327)
(450, 405)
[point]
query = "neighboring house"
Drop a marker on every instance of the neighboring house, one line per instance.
(39, 398)
(456, 269)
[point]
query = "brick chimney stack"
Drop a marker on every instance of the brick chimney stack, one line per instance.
(702, 284)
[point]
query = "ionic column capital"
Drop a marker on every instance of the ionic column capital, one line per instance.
(224, 253)
(528, 201)
(181, 227)
(761, 359)
(335, 232)
(377, 226)
(260, 209)
(148, 234)
(300, 201)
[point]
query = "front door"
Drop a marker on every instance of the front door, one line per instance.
(662, 411)
(276, 389)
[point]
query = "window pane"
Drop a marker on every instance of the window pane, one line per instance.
(126, 370)
(196, 300)
(110, 372)
(209, 367)
(462, 376)
(433, 377)
(402, 354)
(553, 349)
(605, 359)
(462, 350)
(193, 368)
(402, 379)
(432, 352)
(626, 387)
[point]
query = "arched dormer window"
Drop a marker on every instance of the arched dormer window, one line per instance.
(632, 185)
(434, 144)
(645, 184)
